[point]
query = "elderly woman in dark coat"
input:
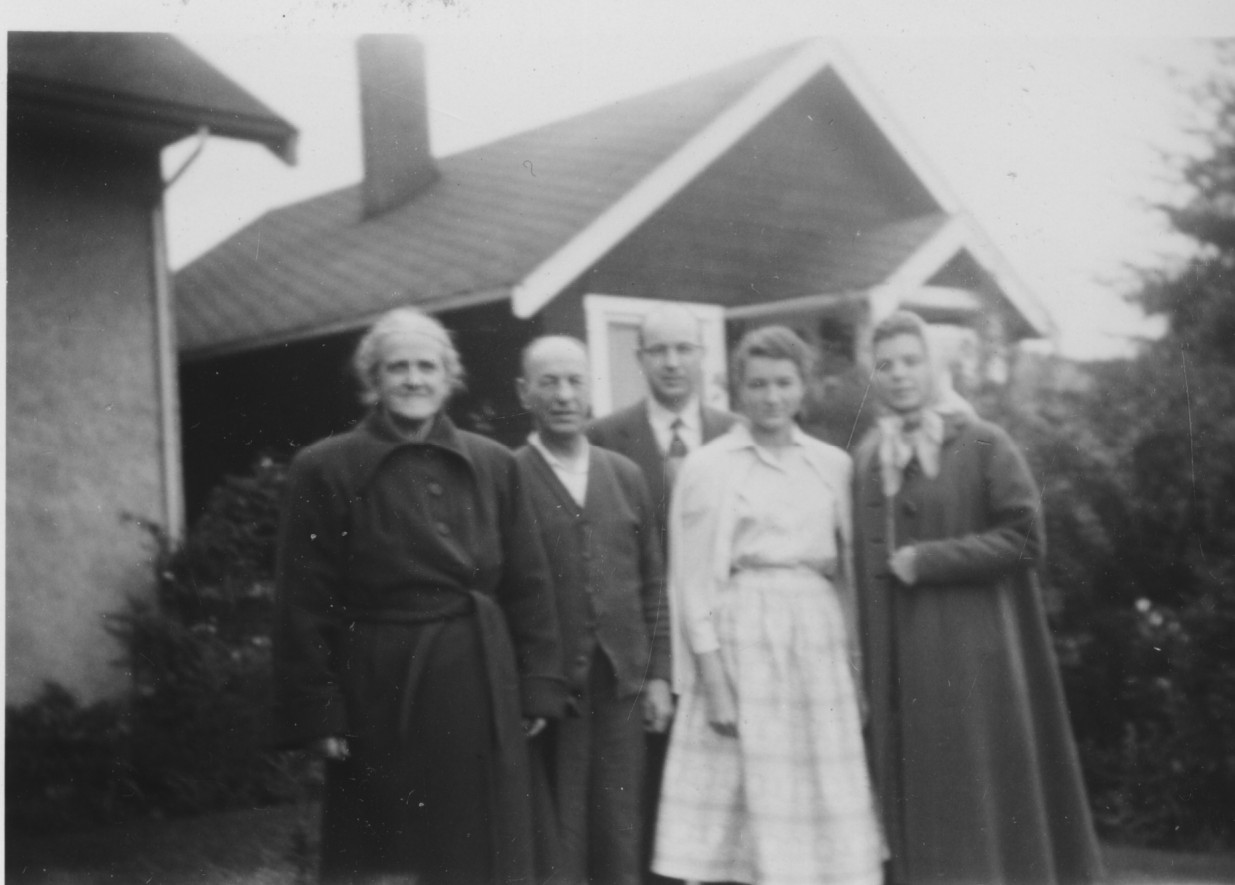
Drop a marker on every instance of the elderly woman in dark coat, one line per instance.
(417, 639)
(971, 747)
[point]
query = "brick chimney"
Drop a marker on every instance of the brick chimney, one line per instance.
(397, 161)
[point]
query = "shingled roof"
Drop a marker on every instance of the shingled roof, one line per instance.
(137, 85)
(518, 219)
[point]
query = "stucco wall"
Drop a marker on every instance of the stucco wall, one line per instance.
(83, 423)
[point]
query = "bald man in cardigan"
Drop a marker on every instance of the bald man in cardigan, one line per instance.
(598, 526)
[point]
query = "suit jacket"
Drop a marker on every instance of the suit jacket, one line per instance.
(629, 432)
(607, 568)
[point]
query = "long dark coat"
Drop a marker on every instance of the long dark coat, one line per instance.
(971, 748)
(416, 619)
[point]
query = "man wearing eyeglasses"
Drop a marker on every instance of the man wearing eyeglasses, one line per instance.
(657, 433)
(660, 430)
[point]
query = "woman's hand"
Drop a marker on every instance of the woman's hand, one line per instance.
(333, 748)
(657, 706)
(533, 727)
(718, 694)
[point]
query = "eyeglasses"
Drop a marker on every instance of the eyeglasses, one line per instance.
(682, 350)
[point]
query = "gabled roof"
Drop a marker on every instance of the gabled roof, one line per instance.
(149, 86)
(524, 217)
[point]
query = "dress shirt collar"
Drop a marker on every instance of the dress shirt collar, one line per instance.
(741, 438)
(663, 418)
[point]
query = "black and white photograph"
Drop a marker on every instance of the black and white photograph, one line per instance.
(452, 442)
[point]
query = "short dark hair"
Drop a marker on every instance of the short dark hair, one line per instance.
(900, 322)
(772, 342)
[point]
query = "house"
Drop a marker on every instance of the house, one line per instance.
(94, 447)
(778, 188)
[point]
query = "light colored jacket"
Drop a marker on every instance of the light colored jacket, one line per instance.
(701, 528)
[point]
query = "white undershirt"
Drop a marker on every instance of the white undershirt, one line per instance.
(572, 474)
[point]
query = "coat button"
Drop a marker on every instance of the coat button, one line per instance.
(581, 661)
(442, 529)
(435, 489)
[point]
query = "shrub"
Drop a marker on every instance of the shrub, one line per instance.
(1143, 589)
(188, 736)
(64, 763)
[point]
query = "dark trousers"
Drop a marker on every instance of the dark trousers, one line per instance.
(657, 750)
(593, 764)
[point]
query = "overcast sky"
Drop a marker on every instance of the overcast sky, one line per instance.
(1049, 121)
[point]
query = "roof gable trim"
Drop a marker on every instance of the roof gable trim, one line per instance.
(553, 274)
(959, 235)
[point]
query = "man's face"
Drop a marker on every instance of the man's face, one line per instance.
(903, 373)
(671, 356)
(412, 381)
(556, 389)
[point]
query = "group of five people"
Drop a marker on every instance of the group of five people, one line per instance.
(841, 672)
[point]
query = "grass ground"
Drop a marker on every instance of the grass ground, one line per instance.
(272, 847)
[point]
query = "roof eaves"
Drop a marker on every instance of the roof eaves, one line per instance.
(881, 114)
(456, 301)
(1036, 314)
(171, 119)
(634, 207)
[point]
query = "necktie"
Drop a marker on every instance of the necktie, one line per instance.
(676, 453)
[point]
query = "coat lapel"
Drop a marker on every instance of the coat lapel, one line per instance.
(641, 443)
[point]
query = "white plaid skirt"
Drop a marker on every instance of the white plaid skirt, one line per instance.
(789, 801)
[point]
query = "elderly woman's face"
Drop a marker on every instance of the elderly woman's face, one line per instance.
(412, 381)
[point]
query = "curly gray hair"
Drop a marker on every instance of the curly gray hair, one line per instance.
(402, 321)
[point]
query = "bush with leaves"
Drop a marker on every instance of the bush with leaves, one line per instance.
(1139, 483)
(189, 735)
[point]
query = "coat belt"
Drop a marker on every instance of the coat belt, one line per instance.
(495, 644)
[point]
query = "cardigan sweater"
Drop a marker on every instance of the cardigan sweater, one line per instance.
(607, 568)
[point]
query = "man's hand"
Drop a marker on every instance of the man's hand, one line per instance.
(904, 565)
(533, 727)
(333, 748)
(657, 706)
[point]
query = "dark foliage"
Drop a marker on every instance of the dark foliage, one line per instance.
(1140, 577)
(1135, 459)
(189, 735)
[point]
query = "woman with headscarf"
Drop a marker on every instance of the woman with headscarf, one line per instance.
(971, 748)
(416, 642)
(766, 778)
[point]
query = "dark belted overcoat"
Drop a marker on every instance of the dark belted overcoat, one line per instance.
(417, 620)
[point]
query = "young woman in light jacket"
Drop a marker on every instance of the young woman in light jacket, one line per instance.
(766, 779)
